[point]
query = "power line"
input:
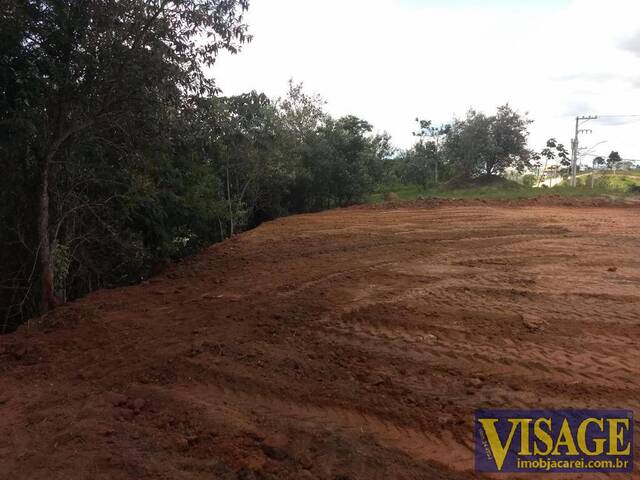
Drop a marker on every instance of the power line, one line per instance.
(617, 116)
(619, 120)
(609, 116)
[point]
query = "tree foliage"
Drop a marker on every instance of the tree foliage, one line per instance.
(488, 145)
(423, 161)
(177, 178)
(613, 160)
(80, 75)
(598, 162)
(118, 152)
(478, 145)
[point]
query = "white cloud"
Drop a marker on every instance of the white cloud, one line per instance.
(390, 61)
(632, 43)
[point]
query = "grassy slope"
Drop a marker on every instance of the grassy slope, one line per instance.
(624, 180)
(617, 185)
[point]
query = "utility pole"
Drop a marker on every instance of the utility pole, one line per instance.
(575, 144)
(574, 153)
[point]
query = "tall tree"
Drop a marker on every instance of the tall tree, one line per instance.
(598, 162)
(426, 154)
(303, 113)
(77, 70)
(509, 135)
(557, 151)
(488, 145)
(613, 160)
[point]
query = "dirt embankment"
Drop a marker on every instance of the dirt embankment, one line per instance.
(351, 344)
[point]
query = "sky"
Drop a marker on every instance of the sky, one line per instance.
(390, 61)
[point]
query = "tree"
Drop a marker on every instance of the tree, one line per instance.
(240, 138)
(509, 134)
(467, 144)
(302, 113)
(341, 163)
(552, 151)
(613, 160)
(86, 68)
(488, 145)
(598, 162)
(426, 154)
(381, 165)
(557, 151)
(420, 164)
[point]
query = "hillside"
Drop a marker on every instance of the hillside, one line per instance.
(350, 344)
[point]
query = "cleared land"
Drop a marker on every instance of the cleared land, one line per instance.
(353, 344)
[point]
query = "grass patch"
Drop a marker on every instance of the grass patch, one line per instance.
(618, 185)
(404, 192)
(623, 181)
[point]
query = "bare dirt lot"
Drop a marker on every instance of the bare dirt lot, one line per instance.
(350, 344)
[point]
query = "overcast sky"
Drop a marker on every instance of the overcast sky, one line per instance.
(389, 61)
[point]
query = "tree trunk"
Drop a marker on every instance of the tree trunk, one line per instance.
(47, 299)
(436, 171)
(231, 222)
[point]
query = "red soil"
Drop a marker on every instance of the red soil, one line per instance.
(350, 344)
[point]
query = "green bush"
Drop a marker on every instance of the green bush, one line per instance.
(601, 182)
(529, 180)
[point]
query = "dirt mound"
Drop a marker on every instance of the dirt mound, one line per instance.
(351, 344)
(391, 197)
